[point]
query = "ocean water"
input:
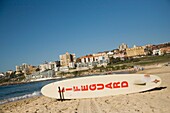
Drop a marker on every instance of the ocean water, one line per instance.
(20, 91)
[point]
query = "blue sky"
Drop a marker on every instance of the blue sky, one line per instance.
(34, 31)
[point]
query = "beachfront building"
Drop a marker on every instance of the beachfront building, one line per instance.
(25, 68)
(100, 58)
(110, 54)
(64, 69)
(48, 66)
(66, 59)
(136, 51)
(45, 70)
(52, 65)
(87, 58)
(161, 51)
(116, 53)
(40, 75)
(22, 67)
(71, 65)
(43, 67)
(156, 52)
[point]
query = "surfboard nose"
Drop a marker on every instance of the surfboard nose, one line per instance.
(49, 90)
(44, 90)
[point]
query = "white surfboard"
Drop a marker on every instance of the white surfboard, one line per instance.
(99, 86)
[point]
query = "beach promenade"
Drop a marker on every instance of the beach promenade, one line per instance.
(153, 101)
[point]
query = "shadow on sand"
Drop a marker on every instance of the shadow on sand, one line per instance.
(63, 100)
(155, 89)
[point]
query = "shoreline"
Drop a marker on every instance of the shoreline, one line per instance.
(15, 83)
(55, 78)
(154, 101)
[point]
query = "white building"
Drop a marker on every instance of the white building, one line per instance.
(48, 66)
(52, 65)
(101, 57)
(110, 54)
(87, 58)
(64, 69)
(71, 65)
(157, 52)
(22, 67)
(94, 59)
(43, 67)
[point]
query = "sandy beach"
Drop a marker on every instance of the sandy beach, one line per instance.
(153, 101)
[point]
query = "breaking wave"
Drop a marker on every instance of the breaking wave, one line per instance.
(36, 93)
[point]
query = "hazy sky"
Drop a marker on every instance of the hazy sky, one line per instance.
(34, 31)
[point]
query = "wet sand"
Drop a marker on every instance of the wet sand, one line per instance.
(153, 101)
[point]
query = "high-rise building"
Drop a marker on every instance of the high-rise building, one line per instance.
(67, 58)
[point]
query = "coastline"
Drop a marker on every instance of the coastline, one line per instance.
(154, 101)
(38, 80)
(121, 71)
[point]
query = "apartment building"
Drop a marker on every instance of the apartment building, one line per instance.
(22, 67)
(48, 66)
(99, 58)
(67, 58)
(25, 68)
(87, 58)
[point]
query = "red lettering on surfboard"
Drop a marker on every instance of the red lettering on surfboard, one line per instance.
(69, 89)
(76, 88)
(92, 87)
(109, 85)
(116, 85)
(124, 84)
(84, 88)
(99, 86)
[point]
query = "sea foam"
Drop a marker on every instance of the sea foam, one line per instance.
(36, 93)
